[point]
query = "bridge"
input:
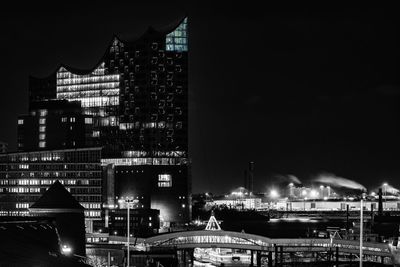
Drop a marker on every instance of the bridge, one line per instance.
(270, 250)
(264, 251)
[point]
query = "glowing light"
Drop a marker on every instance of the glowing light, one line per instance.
(66, 250)
(304, 192)
(313, 194)
(273, 193)
(291, 184)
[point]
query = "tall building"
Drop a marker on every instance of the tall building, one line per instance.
(136, 99)
(249, 177)
(25, 176)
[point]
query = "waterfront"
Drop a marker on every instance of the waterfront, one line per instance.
(284, 227)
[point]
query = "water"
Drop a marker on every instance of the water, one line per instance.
(284, 228)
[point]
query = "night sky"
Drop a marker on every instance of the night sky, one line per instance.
(298, 91)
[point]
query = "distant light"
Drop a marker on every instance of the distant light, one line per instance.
(321, 186)
(385, 184)
(325, 198)
(313, 194)
(66, 250)
(291, 184)
(273, 193)
(304, 192)
(373, 194)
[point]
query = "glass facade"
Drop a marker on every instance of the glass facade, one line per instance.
(136, 101)
(178, 39)
(25, 176)
(96, 91)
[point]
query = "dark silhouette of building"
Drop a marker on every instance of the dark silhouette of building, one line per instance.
(53, 235)
(143, 222)
(249, 177)
(3, 147)
(54, 124)
(57, 203)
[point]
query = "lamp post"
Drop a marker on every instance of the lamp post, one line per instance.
(304, 193)
(127, 201)
(384, 193)
(361, 228)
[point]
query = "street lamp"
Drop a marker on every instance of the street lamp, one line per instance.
(304, 193)
(385, 185)
(361, 228)
(127, 201)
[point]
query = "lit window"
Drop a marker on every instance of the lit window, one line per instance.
(96, 134)
(20, 122)
(72, 119)
(88, 121)
(42, 144)
(64, 119)
(43, 112)
(164, 180)
(42, 136)
(42, 128)
(42, 121)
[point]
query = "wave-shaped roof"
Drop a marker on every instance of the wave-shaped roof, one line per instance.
(150, 31)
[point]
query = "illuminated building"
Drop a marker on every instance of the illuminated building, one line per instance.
(137, 98)
(241, 198)
(25, 176)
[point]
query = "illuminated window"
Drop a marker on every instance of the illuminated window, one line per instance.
(42, 128)
(43, 112)
(42, 136)
(96, 134)
(88, 121)
(42, 144)
(64, 119)
(164, 180)
(20, 122)
(72, 119)
(177, 40)
(42, 121)
(96, 89)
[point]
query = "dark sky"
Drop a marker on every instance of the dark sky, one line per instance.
(299, 91)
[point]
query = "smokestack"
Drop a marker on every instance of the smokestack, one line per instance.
(380, 204)
(250, 176)
(246, 179)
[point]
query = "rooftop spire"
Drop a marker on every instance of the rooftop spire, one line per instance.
(212, 224)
